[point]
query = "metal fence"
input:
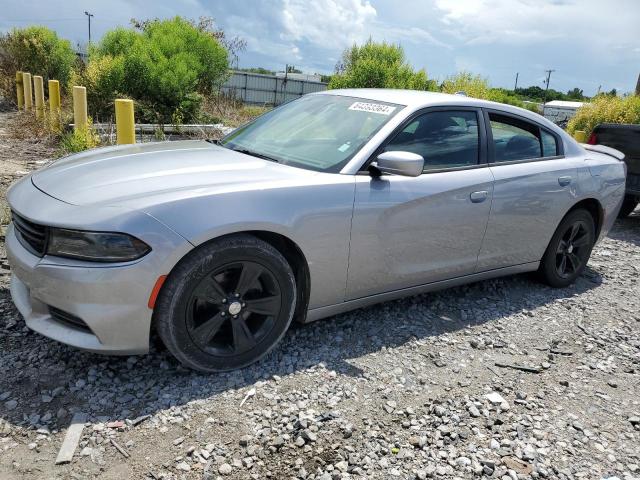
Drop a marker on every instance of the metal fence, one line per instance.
(268, 89)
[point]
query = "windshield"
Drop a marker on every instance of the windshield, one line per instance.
(316, 132)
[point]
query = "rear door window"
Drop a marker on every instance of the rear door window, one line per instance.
(514, 139)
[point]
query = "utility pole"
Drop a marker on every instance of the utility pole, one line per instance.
(89, 15)
(638, 86)
(516, 87)
(549, 72)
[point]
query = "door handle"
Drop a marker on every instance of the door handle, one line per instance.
(479, 197)
(564, 181)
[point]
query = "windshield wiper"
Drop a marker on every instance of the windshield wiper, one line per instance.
(255, 154)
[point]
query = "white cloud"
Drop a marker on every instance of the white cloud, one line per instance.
(398, 34)
(592, 24)
(328, 23)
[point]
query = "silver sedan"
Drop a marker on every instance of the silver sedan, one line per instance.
(332, 202)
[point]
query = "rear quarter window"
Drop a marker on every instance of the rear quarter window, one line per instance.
(549, 144)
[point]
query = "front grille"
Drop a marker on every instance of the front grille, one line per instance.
(68, 319)
(32, 236)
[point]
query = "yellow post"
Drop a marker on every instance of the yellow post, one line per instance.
(54, 103)
(80, 108)
(38, 89)
(125, 122)
(19, 90)
(580, 136)
(28, 93)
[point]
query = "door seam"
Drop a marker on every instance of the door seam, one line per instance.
(353, 207)
(486, 226)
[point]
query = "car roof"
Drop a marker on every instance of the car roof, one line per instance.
(401, 97)
(416, 99)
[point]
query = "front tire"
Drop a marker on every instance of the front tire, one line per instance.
(568, 252)
(629, 204)
(226, 304)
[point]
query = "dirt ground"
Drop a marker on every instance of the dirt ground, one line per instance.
(504, 379)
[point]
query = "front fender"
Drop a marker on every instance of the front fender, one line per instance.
(316, 217)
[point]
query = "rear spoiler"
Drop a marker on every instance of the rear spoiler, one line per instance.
(612, 152)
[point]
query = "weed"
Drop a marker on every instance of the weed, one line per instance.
(79, 140)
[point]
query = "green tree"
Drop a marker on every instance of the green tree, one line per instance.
(165, 67)
(377, 65)
(472, 85)
(536, 94)
(37, 50)
(260, 70)
(575, 94)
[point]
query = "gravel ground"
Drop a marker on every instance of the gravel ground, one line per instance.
(500, 379)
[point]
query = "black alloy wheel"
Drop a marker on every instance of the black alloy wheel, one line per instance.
(573, 249)
(226, 304)
(569, 250)
(233, 308)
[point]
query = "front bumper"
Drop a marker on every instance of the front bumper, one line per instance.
(108, 301)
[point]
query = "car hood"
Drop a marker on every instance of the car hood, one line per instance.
(114, 175)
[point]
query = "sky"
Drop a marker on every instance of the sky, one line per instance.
(589, 44)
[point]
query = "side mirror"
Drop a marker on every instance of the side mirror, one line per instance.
(400, 163)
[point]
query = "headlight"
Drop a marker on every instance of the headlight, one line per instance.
(95, 246)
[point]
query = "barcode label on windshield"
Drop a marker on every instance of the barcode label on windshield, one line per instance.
(372, 107)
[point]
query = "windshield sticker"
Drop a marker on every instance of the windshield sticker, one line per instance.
(372, 107)
(344, 147)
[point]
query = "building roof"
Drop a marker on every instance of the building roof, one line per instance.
(563, 104)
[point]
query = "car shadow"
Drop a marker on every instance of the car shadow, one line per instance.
(49, 381)
(627, 229)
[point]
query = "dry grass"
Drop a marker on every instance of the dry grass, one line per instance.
(231, 111)
(25, 126)
(24, 144)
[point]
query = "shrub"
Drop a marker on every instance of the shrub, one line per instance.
(229, 110)
(473, 85)
(103, 77)
(37, 50)
(377, 65)
(166, 67)
(605, 109)
(79, 140)
(478, 87)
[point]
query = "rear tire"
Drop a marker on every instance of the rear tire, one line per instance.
(629, 204)
(226, 304)
(569, 249)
